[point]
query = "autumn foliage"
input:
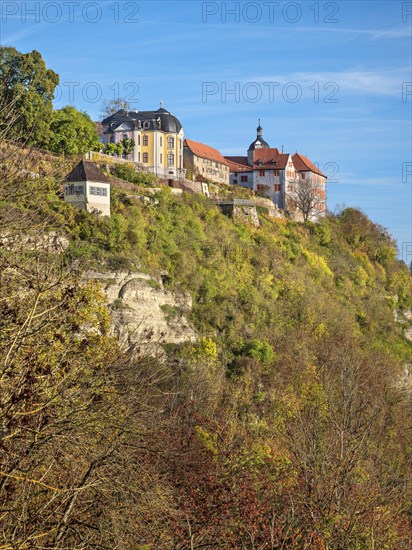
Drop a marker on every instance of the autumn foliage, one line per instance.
(285, 426)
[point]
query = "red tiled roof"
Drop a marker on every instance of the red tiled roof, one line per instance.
(270, 159)
(303, 164)
(204, 151)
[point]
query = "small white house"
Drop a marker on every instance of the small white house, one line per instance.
(87, 187)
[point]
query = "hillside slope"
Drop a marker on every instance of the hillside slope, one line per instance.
(286, 425)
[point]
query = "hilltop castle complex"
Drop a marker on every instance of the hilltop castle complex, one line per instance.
(291, 182)
(288, 180)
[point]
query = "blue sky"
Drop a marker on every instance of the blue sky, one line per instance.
(328, 79)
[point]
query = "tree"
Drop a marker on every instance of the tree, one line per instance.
(119, 149)
(73, 132)
(111, 149)
(111, 106)
(72, 411)
(308, 197)
(28, 86)
(128, 145)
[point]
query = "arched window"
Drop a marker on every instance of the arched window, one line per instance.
(170, 142)
(170, 159)
(146, 140)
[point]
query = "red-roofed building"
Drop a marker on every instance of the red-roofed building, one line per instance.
(204, 161)
(283, 178)
(303, 164)
(240, 172)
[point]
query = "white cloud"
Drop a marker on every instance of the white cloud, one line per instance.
(11, 39)
(354, 81)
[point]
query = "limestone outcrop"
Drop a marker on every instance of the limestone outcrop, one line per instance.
(144, 314)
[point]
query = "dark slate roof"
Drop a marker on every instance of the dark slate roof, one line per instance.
(238, 166)
(252, 146)
(238, 160)
(87, 171)
(158, 120)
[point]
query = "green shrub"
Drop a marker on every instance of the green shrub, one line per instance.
(261, 351)
(120, 263)
(171, 312)
(153, 284)
(119, 304)
(127, 171)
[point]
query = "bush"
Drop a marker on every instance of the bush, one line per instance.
(261, 351)
(171, 312)
(127, 171)
(120, 264)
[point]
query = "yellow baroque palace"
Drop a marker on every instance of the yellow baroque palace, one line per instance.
(158, 137)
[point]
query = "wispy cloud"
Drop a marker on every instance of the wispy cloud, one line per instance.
(354, 81)
(375, 34)
(264, 30)
(11, 39)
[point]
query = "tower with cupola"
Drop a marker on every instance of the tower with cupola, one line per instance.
(259, 143)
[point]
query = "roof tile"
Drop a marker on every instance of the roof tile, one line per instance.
(270, 159)
(205, 151)
(303, 164)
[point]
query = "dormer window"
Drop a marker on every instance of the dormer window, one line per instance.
(146, 124)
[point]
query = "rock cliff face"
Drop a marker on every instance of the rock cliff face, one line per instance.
(144, 315)
(247, 214)
(405, 319)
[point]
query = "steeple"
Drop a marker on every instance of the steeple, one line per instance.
(257, 144)
(259, 130)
